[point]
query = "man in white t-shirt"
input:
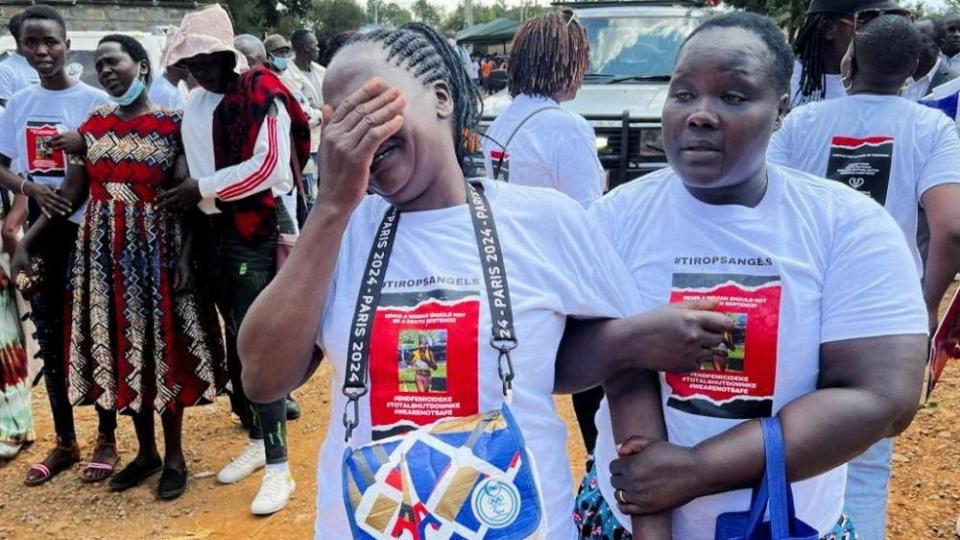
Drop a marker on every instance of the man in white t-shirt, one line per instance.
(830, 323)
(901, 154)
(30, 129)
(15, 72)
(534, 142)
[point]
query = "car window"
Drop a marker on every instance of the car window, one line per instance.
(635, 46)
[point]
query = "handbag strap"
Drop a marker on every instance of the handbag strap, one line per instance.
(499, 165)
(503, 338)
(781, 504)
(774, 487)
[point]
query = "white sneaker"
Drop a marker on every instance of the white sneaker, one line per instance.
(8, 451)
(275, 491)
(252, 458)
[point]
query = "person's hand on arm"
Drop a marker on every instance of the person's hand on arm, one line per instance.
(943, 258)
(51, 202)
(868, 390)
(676, 337)
(636, 413)
(276, 340)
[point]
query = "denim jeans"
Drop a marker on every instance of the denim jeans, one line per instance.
(868, 478)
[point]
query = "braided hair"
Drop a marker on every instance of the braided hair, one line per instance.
(809, 48)
(550, 55)
(133, 48)
(429, 58)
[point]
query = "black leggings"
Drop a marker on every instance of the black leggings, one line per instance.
(48, 309)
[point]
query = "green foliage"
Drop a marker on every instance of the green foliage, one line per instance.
(456, 20)
(427, 13)
(335, 16)
(387, 13)
(259, 17)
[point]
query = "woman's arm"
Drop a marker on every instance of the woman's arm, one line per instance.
(276, 340)
(13, 224)
(676, 337)
(868, 390)
(636, 410)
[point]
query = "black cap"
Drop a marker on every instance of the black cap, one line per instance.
(848, 7)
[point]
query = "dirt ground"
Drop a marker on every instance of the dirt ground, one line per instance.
(925, 494)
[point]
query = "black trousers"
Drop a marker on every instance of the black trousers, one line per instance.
(240, 271)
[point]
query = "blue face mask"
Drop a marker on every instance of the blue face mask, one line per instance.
(136, 88)
(281, 63)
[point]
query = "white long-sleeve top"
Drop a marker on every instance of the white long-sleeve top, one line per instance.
(267, 168)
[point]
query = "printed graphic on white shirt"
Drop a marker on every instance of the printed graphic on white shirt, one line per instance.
(739, 380)
(501, 164)
(423, 356)
(44, 163)
(863, 164)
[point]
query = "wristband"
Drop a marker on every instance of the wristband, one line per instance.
(23, 182)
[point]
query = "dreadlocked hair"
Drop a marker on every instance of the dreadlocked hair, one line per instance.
(550, 55)
(429, 57)
(809, 48)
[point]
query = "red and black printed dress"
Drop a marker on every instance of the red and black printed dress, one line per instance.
(133, 342)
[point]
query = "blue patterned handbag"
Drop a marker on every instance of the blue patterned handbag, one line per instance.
(783, 524)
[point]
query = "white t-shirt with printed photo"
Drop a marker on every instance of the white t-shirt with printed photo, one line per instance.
(556, 264)
(814, 262)
(16, 74)
(33, 117)
(887, 147)
(553, 149)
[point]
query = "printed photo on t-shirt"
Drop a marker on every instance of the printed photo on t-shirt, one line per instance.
(863, 164)
(739, 380)
(729, 354)
(423, 359)
(42, 159)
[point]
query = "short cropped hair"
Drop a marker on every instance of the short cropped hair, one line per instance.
(781, 57)
(42, 13)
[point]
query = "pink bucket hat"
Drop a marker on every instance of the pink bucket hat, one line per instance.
(203, 31)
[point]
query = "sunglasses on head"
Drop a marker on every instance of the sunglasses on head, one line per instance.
(866, 16)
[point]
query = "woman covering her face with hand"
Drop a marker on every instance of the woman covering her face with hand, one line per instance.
(829, 322)
(142, 338)
(398, 105)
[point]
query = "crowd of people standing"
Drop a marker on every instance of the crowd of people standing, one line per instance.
(788, 264)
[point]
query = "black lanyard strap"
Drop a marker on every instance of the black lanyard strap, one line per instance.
(503, 337)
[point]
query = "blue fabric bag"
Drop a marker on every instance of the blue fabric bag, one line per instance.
(783, 524)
